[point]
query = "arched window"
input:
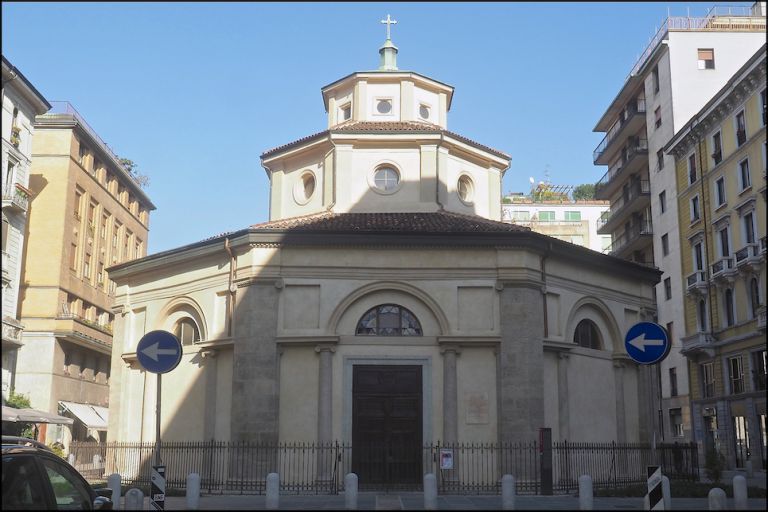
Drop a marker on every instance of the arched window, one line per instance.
(587, 335)
(729, 316)
(754, 296)
(388, 320)
(186, 330)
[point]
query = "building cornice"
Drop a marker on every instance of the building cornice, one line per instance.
(69, 121)
(10, 74)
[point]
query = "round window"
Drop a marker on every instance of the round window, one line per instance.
(384, 106)
(386, 178)
(304, 188)
(466, 189)
(424, 112)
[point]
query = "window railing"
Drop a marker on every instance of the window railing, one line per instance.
(636, 147)
(634, 232)
(630, 110)
(17, 195)
(698, 278)
(721, 265)
(748, 251)
(636, 189)
(86, 321)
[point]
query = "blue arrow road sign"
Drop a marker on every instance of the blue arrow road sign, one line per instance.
(647, 343)
(159, 351)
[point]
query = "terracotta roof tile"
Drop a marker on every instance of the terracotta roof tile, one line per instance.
(434, 222)
(385, 127)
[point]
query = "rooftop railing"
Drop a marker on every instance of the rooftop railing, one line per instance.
(719, 18)
(65, 107)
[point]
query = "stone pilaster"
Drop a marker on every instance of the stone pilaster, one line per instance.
(522, 363)
(255, 385)
(324, 399)
(450, 394)
(563, 407)
(621, 415)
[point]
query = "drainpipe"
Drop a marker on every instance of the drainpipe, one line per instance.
(232, 288)
(697, 134)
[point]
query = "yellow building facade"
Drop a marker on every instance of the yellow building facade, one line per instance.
(720, 161)
(87, 213)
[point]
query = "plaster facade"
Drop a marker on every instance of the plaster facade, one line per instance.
(720, 164)
(21, 102)
(669, 84)
(281, 311)
(87, 213)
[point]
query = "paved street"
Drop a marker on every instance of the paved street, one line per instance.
(415, 501)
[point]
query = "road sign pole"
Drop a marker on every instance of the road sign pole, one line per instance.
(157, 419)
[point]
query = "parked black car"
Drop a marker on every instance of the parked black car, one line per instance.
(35, 478)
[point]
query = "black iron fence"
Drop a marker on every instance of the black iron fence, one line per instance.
(313, 468)
(616, 465)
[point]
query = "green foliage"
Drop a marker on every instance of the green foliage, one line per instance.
(584, 192)
(19, 401)
(58, 449)
(133, 170)
(507, 200)
(714, 462)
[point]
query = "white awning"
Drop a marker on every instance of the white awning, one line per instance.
(92, 416)
(33, 416)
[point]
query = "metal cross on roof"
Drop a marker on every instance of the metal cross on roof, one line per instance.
(389, 21)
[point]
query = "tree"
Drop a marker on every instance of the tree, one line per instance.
(132, 168)
(584, 192)
(19, 401)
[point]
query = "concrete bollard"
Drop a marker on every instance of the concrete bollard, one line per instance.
(666, 492)
(586, 501)
(508, 492)
(430, 492)
(193, 491)
(134, 499)
(740, 493)
(717, 500)
(350, 491)
(113, 482)
(273, 491)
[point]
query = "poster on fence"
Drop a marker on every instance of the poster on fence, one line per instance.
(446, 459)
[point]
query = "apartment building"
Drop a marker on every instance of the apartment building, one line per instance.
(88, 213)
(575, 222)
(720, 163)
(683, 66)
(21, 103)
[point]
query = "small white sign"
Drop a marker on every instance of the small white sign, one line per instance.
(446, 459)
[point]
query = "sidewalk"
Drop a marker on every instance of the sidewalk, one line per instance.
(415, 501)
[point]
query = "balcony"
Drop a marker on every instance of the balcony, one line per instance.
(700, 344)
(697, 282)
(638, 235)
(15, 197)
(750, 257)
(633, 157)
(761, 314)
(635, 198)
(724, 270)
(631, 119)
(11, 334)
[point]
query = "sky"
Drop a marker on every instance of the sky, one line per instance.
(195, 92)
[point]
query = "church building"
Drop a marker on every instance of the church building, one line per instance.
(384, 300)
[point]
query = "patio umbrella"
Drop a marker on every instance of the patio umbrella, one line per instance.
(33, 416)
